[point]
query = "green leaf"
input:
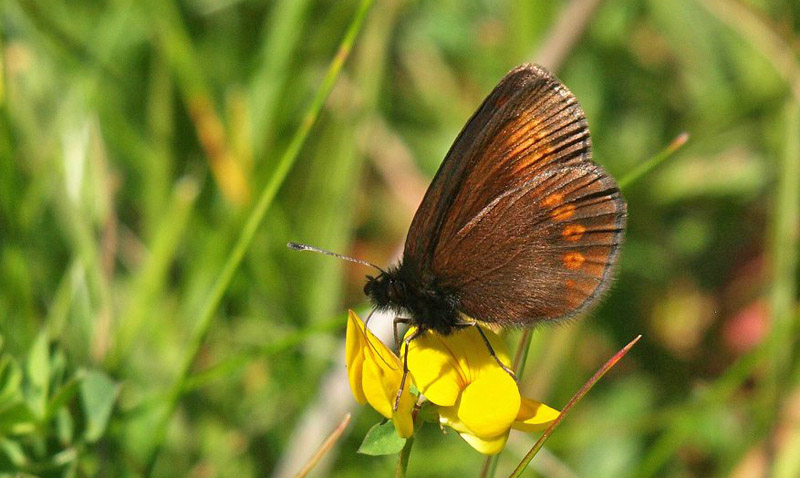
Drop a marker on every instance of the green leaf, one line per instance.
(65, 426)
(10, 381)
(14, 452)
(62, 396)
(98, 394)
(428, 413)
(382, 439)
(38, 372)
(17, 419)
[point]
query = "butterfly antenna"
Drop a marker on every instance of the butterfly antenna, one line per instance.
(305, 247)
(366, 322)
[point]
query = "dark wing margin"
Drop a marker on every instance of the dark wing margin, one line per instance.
(518, 222)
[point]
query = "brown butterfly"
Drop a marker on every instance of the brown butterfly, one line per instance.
(518, 227)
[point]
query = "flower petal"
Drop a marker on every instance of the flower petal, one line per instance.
(381, 384)
(402, 419)
(448, 416)
(487, 446)
(435, 369)
(474, 356)
(382, 372)
(375, 373)
(489, 405)
(354, 356)
(534, 416)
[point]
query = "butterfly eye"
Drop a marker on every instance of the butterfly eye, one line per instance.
(396, 291)
(378, 289)
(370, 286)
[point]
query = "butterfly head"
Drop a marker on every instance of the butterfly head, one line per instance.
(386, 291)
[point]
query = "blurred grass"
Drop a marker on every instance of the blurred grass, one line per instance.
(137, 139)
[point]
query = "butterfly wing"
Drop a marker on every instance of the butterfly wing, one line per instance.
(519, 224)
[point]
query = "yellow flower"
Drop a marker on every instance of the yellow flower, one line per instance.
(476, 397)
(473, 395)
(375, 373)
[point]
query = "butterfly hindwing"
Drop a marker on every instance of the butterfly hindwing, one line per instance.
(546, 248)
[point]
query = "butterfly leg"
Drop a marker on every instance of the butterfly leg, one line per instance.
(406, 341)
(491, 351)
(398, 320)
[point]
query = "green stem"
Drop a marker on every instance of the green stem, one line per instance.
(254, 219)
(654, 162)
(402, 460)
(489, 466)
(784, 242)
(522, 352)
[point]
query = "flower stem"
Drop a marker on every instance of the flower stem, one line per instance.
(402, 461)
(489, 466)
(574, 400)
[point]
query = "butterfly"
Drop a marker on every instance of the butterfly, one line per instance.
(518, 227)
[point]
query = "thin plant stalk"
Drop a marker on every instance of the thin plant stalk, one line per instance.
(521, 356)
(325, 447)
(572, 402)
(253, 221)
(402, 460)
(784, 242)
(655, 161)
(489, 467)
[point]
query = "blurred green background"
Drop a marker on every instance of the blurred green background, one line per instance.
(144, 333)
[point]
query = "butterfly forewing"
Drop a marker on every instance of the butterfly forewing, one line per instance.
(457, 166)
(519, 224)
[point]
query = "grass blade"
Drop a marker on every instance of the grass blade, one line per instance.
(326, 446)
(254, 219)
(572, 402)
(655, 161)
